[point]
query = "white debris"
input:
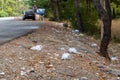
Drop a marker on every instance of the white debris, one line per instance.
(76, 31)
(72, 50)
(84, 78)
(37, 47)
(2, 73)
(22, 68)
(113, 58)
(62, 48)
(94, 45)
(65, 56)
(22, 73)
(118, 78)
(56, 54)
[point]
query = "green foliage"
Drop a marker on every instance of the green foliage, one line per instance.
(90, 19)
(3, 14)
(115, 4)
(89, 16)
(9, 11)
(116, 39)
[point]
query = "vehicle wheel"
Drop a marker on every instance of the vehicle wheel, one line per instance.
(33, 18)
(23, 18)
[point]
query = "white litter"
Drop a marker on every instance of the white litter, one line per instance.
(2, 73)
(37, 47)
(72, 50)
(22, 73)
(65, 56)
(94, 45)
(76, 31)
(113, 58)
(62, 48)
(84, 78)
(56, 54)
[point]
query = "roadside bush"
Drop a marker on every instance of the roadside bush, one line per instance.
(9, 11)
(3, 14)
(116, 39)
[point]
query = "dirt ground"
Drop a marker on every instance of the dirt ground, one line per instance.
(19, 62)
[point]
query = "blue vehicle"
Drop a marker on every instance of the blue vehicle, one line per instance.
(40, 11)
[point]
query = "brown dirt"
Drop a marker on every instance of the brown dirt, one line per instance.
(19, 62)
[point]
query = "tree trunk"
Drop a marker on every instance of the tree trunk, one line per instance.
(78, 16)
(59, 8)
(55, 10)
(106, 19)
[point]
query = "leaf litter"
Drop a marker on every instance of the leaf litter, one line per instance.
(47, 63)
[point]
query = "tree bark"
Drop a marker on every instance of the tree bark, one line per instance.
(55, 10)
(106, 19)
(78, 16)
(59, 8)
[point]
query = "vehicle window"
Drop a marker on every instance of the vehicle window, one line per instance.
(29, 12)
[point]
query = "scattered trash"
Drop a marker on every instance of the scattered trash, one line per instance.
(37, 47)
(65, 56)
(84, 78)
(76, 79)
(62, 48)
(22, 73)
(56, 55)
(22, 68)
(75, 31)
(2, 73)
(72, 50)
(94, 45)
(118, 78)
(113, 58)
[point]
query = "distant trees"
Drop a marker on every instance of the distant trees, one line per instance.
(12, 7)
(78, 16)
(55, 5)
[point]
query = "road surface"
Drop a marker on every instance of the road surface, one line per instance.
(12, 28)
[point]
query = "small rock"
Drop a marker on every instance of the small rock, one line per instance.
(56, 55)
(65, 56)
(34, 41)
(49, 66)
(62, 48)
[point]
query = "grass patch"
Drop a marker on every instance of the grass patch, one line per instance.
(116, 30)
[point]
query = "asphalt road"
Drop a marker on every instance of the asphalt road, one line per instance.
(13, 28)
